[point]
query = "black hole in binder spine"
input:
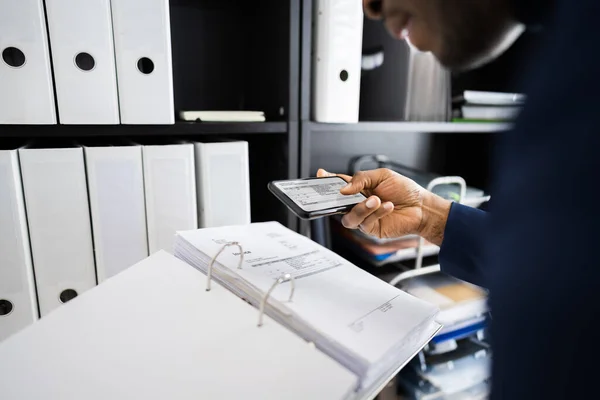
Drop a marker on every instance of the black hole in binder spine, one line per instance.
(145, 65)
(344, 75)
(85, 61)
(13, 57)
(6, 307)
(67, 295)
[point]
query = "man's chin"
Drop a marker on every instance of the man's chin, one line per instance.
(468, 61)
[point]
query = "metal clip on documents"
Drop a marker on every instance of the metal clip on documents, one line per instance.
(210, 266)
(263, 303)
(283, 278)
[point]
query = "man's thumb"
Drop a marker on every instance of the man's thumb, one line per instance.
(356, 185)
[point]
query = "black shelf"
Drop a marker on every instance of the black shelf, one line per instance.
(399, 127)
(178, 129)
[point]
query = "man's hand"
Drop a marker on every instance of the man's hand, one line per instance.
(396, 206)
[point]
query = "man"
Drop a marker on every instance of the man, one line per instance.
(536, 249)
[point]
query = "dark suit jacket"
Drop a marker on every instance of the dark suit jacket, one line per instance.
(537, 248)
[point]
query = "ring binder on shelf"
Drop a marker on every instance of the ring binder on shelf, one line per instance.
(282, 278)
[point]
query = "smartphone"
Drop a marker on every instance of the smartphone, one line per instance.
(313, 198)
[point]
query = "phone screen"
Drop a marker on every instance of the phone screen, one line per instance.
(318, 194)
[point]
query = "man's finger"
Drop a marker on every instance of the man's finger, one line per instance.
(360, 212)
(321, 173)
(371, 223)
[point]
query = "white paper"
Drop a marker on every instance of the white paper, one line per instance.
(345, 304)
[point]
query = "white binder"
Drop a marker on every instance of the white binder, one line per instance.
(84, 61)
(337, 57)
(223, 182)
(116, 191)
(154, 332)
(18, 301)
(27, 94)
(142, 32)
(170, 187)
(59, 224)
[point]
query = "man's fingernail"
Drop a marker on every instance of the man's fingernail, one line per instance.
(345, 222)
(388, 206)
(371, 203)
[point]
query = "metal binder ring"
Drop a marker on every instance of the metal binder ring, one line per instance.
(210, 266)
(280, 280)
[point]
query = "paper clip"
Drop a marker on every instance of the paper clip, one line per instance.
(263, 303)
(210, 266)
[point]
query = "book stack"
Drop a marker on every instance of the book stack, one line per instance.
(476, 106)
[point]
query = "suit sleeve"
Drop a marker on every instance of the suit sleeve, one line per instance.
(462, 251)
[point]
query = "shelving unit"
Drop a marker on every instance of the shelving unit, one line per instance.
(240, 56)
(226, 56)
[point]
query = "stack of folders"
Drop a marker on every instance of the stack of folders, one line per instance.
(456, 363)
(378, 252)
(370, 327)
(477, 106)
(109, 63)
(74, 217)
(463, 307)
(429, 89)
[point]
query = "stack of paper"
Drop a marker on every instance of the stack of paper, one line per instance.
(477, 106)
(369, 326)
(379, 252)
(462, 306)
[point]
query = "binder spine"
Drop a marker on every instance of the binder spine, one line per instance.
(337, 61)
(18, 300)
(27, 91)
(84, 61)
(142, 34)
